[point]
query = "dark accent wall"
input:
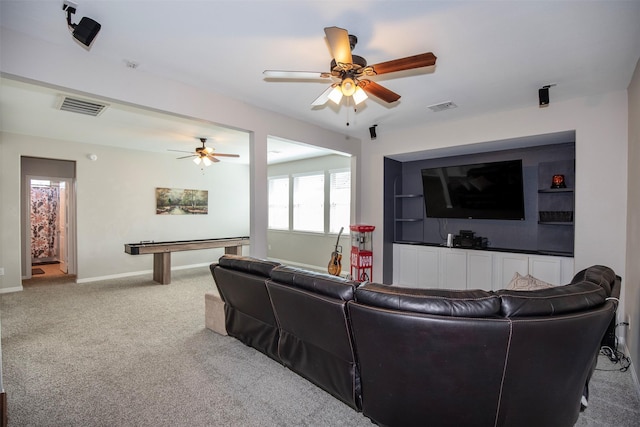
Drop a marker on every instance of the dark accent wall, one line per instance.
(518, 235)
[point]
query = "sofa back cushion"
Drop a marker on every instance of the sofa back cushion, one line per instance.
(324, 284)
(552, 301)
(598, 274)
(443, 302)
(260, 267)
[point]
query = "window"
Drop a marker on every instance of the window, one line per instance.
(339, 200)
(279, 203)
(310, 200)
(308, 203)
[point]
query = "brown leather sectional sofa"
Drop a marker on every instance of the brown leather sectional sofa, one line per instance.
(421, 357)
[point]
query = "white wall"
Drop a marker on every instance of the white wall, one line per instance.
(631, 279)
(601, 168)
(310, 250)
(116, 203)
(78, 71)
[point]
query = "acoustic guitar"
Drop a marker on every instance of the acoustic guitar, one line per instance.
(335, 264)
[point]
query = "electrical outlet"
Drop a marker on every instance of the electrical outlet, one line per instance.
(627, 320)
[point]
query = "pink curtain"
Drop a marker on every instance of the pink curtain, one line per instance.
(44, 221)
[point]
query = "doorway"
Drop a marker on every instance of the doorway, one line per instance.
(48, 225)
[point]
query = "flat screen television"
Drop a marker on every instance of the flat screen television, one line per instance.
(491, 190)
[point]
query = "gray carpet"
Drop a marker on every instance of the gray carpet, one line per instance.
(129, 352)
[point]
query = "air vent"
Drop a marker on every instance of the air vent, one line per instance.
(81, 106)
(442, 106)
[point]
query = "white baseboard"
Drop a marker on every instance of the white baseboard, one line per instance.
(137, 273)
(14, 289)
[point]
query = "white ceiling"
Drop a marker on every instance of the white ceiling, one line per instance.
(492, 55)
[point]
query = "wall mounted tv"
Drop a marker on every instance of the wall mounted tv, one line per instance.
(490, 190)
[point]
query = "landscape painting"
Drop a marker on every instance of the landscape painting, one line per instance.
(178, 201)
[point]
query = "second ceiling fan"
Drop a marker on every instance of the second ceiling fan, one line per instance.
(204, 154)
(351, 72)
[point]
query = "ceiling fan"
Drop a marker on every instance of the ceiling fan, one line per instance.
(204, 154)
(351, 72)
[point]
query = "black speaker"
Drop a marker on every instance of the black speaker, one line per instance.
(86, 30)
(543, 94)
(372, 132)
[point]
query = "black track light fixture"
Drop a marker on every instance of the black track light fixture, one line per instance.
(84, 31)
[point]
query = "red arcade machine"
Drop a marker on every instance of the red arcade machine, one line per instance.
(361, 252)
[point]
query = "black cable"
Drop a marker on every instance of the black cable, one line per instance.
(615, 357)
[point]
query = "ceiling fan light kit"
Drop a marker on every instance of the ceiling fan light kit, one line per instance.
(336, 95)
(204, 155)
(351, 71)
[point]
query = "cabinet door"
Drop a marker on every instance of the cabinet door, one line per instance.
(568, 272)
(428, 267)
(454, 269)
(553, 270)
(506, 265)
(405, 268)
(547, 269)
(479, 270)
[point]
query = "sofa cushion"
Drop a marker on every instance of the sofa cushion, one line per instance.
(526, 283)
(598, 274)
(248, 264)
(325, 284)
(443, 302)
(551, 301)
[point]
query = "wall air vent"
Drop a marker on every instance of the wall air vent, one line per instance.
(80, 106)
(442, 106)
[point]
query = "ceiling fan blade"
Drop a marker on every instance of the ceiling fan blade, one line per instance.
(301, 75)
(180, 151)
(408, 63)
(186, 157)
(373, 88)
(223, 155)
(323, 98)
(338, 39)
(213, 159)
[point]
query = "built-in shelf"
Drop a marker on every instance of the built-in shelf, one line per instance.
(407, 207)
(556, 190)
(556, 207)
(555, 222)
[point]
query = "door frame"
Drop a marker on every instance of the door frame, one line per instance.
(70, 184)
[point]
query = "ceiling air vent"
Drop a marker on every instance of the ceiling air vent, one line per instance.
(442, 106)
(80, 106)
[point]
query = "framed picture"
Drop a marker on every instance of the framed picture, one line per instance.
(178, 201)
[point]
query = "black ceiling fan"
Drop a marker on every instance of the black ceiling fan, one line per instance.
(204, 154)
(351, 73)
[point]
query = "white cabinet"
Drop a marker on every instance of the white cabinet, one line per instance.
(428, 267)
(415, 266)
(554, 270)
(453, 274)
(479, 270)
(506, 265)
(420, 266)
